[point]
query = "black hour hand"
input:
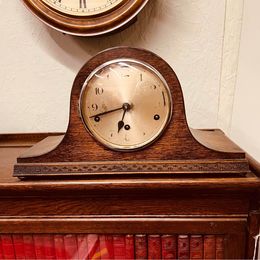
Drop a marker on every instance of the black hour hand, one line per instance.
(120, 125)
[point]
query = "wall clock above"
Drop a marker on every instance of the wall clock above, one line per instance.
(127, 117)
(86, 17)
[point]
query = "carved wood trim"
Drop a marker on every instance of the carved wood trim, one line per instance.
(133, 167)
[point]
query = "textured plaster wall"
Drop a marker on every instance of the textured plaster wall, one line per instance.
(230, 56)
(245, 124)
(38, 64)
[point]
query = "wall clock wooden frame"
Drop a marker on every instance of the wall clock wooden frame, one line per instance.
(176, 153)
(92, 25)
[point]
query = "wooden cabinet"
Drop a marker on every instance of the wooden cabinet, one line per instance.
(191, 205)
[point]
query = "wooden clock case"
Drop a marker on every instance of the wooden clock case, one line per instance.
(197, 191)
(176, 152)
(93, 25)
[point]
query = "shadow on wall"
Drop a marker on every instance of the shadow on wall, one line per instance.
(73, 51)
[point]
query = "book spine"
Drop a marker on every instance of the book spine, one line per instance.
(93, 246)
(29, 250)
(59, 247)
(119, 246)
(82, 246)
(196, 247)
(129, 247)
(183, 247)
(140, 247)
(106, 247)
(39, 246)
(18, 246)
(154, 247)
(209, 247)
(71, 247)
(219, 247)
(169, 247)
(49, 249)
(1, 249)
(7, 247)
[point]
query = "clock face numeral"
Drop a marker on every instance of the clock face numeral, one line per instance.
(164, 101)
(83, 7)
(99, 91)
(136, 104)
(94, 107)
(82, 3)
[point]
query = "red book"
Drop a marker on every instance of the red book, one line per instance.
(119, 246)
(219, 247)
(82, 246)
(18, 246)
(154, 247)
(59, 247)
(106, 247)
(209, 247)
(7, 247)
(93, 246)
(49, 249)
(71, 246)
(140, 247)
(169, 247)
(196, 247)
(39, 246)
(29, 246)
(129, 247)
(1, 249)
(183, 247)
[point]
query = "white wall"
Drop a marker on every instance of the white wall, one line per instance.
(245, 124)
(38, 64)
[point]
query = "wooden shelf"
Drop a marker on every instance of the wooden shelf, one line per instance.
(228, 206)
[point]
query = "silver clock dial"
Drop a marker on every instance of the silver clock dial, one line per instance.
(125, 104)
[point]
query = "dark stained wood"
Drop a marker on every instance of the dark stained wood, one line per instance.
(185, 205)
(176, 152)
(118, 204)
(248, 185)
(125, 225)
(253, 230)
(112, 20)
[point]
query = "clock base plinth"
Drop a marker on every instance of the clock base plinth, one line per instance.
(134, 168)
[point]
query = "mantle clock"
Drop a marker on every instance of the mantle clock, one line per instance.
(127, 118)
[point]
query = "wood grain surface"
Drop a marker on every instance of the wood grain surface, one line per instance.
(225, 206)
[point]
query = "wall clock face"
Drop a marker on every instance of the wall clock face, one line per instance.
(86, 17)
(83, 7)
(125, 104)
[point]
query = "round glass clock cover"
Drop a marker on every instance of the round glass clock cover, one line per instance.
(125, 104)
(83, 7)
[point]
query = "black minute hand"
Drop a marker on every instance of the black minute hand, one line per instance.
(106, 112)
